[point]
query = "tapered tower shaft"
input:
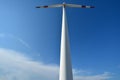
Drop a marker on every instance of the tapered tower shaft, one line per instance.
(65, 61)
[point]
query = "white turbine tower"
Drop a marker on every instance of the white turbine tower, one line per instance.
(65, 60)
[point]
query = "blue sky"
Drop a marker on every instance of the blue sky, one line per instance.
(35, 33)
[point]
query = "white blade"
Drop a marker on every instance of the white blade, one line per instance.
(50, 6)
(78, 6)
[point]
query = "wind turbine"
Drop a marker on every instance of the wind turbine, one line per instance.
(65, 59)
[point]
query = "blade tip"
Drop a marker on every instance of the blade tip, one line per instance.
(37, 7)
(92, 6)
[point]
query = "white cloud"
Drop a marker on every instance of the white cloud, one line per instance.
(15, 66)
(104, 76)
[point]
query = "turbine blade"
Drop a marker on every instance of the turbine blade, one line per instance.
(78, 6)
(50, 6)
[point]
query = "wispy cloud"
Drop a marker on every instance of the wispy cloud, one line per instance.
(15, 66)
(2, 35)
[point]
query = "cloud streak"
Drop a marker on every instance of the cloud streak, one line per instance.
(2, 35)
(16, 66)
